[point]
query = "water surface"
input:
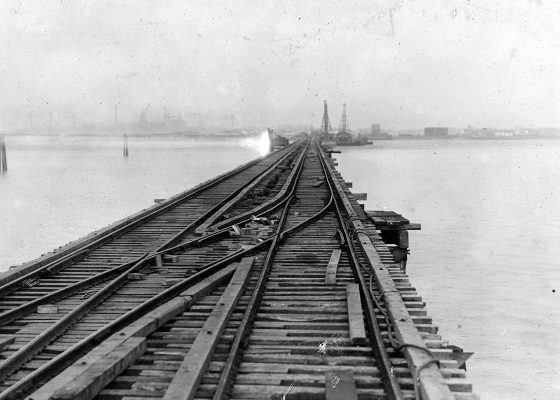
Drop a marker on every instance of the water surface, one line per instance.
(60, 188)
(486, 260)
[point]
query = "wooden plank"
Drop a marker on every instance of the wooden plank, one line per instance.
(194, 365)
(360, 196)
(382, 213)
(433, 384)
(403, 239)
(140, 328)
(378, 221)
(88, 383)
(340, 385)
(406, 227)
(330, 277)
(355, 315)
(211, 220)
(396, 220)
(78, 247)
(318, 183)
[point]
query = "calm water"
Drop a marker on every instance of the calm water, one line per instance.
(59, 189)
(485, 261)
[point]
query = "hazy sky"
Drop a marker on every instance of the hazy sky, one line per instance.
(404, 64)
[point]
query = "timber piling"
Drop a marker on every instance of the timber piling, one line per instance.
(269, 281)
(125, 145)
(3, 159)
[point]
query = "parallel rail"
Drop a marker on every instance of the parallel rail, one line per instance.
(289, 294)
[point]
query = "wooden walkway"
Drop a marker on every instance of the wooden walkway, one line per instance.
(267, 282)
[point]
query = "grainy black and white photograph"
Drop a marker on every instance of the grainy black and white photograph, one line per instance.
(281, 200)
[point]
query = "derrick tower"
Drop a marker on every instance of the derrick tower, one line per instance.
(326, 123)
(343, 126)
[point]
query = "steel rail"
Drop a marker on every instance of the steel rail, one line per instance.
(249, 314)
(17, 359)
(392, 387)
(240, 340)
(432, 385)
(71, 354)
(62, 293)
(271, 204)
(216, 208)
(420, 360)
(275, 203)
(83, 250)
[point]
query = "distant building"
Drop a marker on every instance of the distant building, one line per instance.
(375, 130)
(504, 132)
(436, 132)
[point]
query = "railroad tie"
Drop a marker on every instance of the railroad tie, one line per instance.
(340, 385)
(194, 365)
(87, 376)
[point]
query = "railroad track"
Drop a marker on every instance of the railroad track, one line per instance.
(280, 288)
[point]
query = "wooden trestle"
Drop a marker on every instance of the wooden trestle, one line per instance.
(269, 281)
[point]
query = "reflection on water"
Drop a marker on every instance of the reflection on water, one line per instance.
(486, 260)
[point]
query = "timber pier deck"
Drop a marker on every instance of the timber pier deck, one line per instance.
(269, 281)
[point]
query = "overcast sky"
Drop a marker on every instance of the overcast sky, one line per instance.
(404, 64)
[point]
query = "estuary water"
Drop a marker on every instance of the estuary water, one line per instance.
(486, 260)
(60, 188)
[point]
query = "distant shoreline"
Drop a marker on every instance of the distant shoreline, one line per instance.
(131, 135)
(495, 138)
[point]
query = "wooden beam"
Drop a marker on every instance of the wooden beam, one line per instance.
(185, 383)
(318, 183)
(140, 329)
(264, 206)
(330, 277)
(340, 385)
(432, 382)
(403, 239)
(355, 315)
(212, 219)
(384, 227)
(99, 374)
(360, 196)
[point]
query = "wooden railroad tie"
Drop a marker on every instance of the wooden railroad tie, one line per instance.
(90, 374)
(340, 385)
(301, 300)
(194, 365)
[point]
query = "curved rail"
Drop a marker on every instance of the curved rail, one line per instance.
(18, 358)
(391, 383)
(248, 331)
(429, 385)
(84, 249)
(134, 265)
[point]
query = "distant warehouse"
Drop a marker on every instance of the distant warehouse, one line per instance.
(436, 132)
